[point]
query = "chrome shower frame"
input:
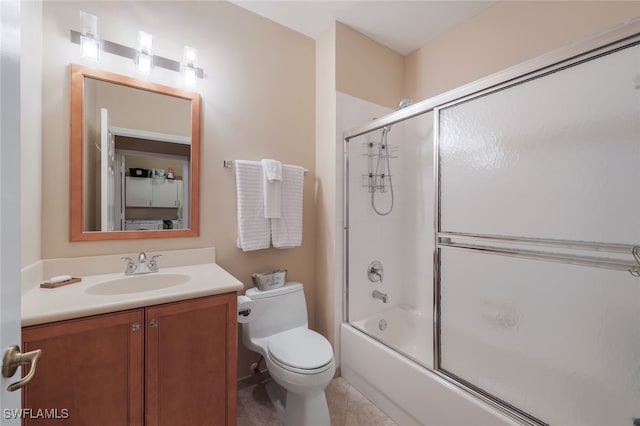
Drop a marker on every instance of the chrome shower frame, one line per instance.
(602, 43)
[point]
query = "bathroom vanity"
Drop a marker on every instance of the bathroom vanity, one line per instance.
(156, 349)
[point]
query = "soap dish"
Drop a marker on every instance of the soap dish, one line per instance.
(47, 284)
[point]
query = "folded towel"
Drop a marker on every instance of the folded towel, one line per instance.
(286, 232)
(272, 170)
(254, 230)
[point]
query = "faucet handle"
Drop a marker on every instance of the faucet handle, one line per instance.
(374, 271)
(153, 263)
(131, 266)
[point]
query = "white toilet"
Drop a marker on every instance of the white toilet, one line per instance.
(298, 359)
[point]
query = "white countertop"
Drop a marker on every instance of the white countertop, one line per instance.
(43, 305)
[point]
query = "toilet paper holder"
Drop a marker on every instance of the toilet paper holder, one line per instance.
(245, 306)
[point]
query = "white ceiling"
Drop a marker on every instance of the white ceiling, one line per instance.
(402, 26)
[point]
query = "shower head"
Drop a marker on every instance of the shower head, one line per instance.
(404, 103)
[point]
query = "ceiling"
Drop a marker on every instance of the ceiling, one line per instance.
(402, 26)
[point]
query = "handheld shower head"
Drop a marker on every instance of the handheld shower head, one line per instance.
(404, 103)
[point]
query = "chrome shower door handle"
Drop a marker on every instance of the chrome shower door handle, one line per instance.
(13, 358)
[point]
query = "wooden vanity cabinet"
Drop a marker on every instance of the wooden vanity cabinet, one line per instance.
(93, 367)
(191, 362)
(170, 364)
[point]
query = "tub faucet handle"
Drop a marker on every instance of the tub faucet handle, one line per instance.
(375, 272)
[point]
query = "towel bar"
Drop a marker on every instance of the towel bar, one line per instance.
(227, 164)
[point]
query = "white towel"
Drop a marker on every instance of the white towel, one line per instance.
(272, 170)
(286, 232)
(253, 227)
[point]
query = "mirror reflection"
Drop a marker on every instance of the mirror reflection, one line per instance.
(139, 156)
(136, 177)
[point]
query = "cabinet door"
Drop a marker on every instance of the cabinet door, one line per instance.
(138, 192)
(164, 193)
(191, 362)
(91, 367)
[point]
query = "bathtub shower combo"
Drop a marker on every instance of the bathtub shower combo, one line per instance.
(492, 268)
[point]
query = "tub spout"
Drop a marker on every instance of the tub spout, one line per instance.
(380, 296)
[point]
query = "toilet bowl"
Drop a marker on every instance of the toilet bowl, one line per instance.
(298, 359)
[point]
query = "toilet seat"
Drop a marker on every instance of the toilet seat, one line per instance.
(301, 351)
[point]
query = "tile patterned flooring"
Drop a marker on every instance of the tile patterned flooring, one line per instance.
(347, 407)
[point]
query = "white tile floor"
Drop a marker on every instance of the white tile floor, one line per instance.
(347, 407)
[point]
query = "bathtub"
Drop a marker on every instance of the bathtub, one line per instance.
(398, 381)
(400, 329)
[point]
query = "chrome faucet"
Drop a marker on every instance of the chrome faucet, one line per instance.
(142, 267)
(380, 296)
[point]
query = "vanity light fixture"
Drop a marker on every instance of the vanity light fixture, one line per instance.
(190, 70)
(144, 58)
(89, 40)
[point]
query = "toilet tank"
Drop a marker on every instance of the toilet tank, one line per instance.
(276, 310)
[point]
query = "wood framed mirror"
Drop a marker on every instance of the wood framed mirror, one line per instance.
(135, 157)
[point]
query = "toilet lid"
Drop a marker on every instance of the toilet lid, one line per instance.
(301, 348)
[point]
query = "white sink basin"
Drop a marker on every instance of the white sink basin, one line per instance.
(137, 284)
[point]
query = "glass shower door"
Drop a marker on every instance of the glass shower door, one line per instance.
(539, 210)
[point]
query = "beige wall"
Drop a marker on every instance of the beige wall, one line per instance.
(326, 206)
(258, 101)
(351, 63)
(91, 160)
(504, 35)
(141, 110)
(367, 69)
(30, 133)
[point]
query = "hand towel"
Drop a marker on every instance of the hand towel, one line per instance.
(254, 230)
(286, 232)
(272, 170)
